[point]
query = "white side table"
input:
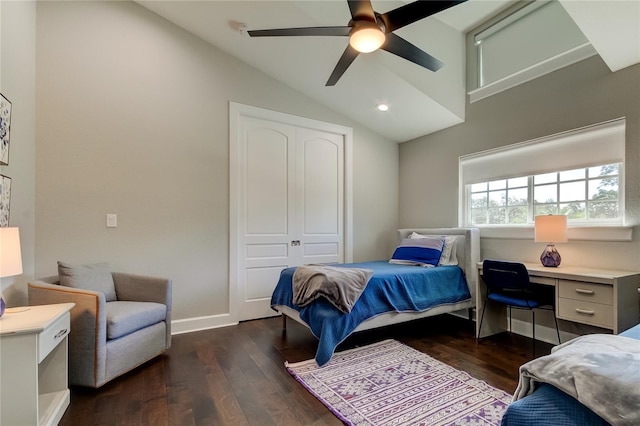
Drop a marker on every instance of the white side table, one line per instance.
(33, 364)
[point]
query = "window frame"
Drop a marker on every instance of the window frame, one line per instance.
(531, 205)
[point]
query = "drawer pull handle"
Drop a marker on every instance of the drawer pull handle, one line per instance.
(583, 291)
(585, 311)
(60, 333)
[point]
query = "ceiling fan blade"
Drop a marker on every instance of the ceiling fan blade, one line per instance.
(412, 12)
(306, 31)
(401, 47)
(362, 10)
(346, 59)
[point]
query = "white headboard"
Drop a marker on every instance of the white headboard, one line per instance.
(467, 249)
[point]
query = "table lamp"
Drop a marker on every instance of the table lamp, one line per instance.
(550, 229)
(10, 257)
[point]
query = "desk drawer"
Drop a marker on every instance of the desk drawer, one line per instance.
(543, 280)
(587, 292)
(49, 338)
(586, 312)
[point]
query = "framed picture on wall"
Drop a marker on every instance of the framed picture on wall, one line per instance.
(5, 128)
(5, 200)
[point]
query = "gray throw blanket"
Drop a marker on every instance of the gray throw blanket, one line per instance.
(602, 371)
(340, 286)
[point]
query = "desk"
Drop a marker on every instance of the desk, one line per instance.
(33, 349)
(599, 297)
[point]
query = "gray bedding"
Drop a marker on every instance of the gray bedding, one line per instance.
(601, 371)
(340, 286)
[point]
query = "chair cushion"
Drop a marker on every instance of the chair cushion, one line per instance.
(513, 301)
(125, 317)
(94, 277)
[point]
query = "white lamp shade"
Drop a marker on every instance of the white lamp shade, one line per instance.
(551, 229)
(10, 255)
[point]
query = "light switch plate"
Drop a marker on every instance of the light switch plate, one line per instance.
(112, 220)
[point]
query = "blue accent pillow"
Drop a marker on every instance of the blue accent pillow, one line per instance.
(420, 252)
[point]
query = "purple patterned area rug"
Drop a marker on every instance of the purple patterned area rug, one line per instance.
(389, 383)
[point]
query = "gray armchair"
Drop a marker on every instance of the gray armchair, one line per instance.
(109, 338)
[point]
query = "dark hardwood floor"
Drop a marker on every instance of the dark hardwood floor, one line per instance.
(236, 375)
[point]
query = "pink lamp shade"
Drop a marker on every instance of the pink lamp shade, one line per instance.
(10, 257)
(550, 229)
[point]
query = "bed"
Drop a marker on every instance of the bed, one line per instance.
(449, 288)
(588, 381)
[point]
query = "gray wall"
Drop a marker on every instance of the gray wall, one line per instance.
(17, 83)
(582, 94)
(132, 119)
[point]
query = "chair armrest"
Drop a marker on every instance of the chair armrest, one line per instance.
(43, 293)
(144, 288)
(88, 335)
(88, 313)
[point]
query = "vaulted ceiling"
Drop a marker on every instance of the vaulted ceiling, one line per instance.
(420, 101)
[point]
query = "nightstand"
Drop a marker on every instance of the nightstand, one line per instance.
(33, 364)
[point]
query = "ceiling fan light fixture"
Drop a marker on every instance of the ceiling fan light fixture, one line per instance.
(366, 37)
(369, 30)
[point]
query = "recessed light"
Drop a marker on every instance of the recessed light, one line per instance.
(382, 107)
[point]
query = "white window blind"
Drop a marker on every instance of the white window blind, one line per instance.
(599, 144)
(533, 34)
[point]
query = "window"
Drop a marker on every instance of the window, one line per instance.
(500, 202)
(584, 195)
(531, 41)
(579, 173)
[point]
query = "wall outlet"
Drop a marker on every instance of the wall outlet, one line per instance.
(112, 220)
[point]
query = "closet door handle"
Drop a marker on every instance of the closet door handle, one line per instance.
(295, 242)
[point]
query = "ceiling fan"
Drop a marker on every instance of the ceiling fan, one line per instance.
(368, 31)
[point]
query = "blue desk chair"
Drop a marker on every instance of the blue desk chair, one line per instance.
(508, 284)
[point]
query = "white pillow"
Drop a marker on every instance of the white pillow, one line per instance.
(449, 256)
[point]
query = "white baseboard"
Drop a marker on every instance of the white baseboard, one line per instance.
(524, 328)
(189, 325)
(460, 314)
(543, 333)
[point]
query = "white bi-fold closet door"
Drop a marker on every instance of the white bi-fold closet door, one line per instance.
(288, 201)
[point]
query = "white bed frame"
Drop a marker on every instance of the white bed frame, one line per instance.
(468, 253)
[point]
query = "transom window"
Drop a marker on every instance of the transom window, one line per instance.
(584, 195)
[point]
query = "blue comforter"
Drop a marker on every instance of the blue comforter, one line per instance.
(392, 288)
